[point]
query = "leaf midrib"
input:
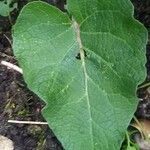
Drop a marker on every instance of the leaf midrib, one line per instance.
(82, 55)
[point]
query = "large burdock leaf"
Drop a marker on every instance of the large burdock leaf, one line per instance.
(86, 68)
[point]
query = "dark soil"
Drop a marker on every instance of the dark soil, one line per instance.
(18, 103)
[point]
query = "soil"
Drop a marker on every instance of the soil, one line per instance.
(18, 103)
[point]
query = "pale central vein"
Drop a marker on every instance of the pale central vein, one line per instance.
(82, 55)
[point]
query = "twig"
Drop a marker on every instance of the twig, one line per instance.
(27, 122)
(8, 39)
(144, 85)
(141, 129)
(12, 66)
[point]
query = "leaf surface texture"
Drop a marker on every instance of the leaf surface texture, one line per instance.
(90, 100)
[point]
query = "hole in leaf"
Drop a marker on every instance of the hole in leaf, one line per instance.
(78, 56)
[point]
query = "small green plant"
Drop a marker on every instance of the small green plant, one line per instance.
(130, 145)
(86, 65)
(6, 7)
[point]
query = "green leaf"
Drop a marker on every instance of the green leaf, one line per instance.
(5, 8)
(90, 101)
(131, 148)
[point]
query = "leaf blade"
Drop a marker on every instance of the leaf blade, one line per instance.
(77, 91)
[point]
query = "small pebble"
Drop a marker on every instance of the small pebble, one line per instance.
(5, 143)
